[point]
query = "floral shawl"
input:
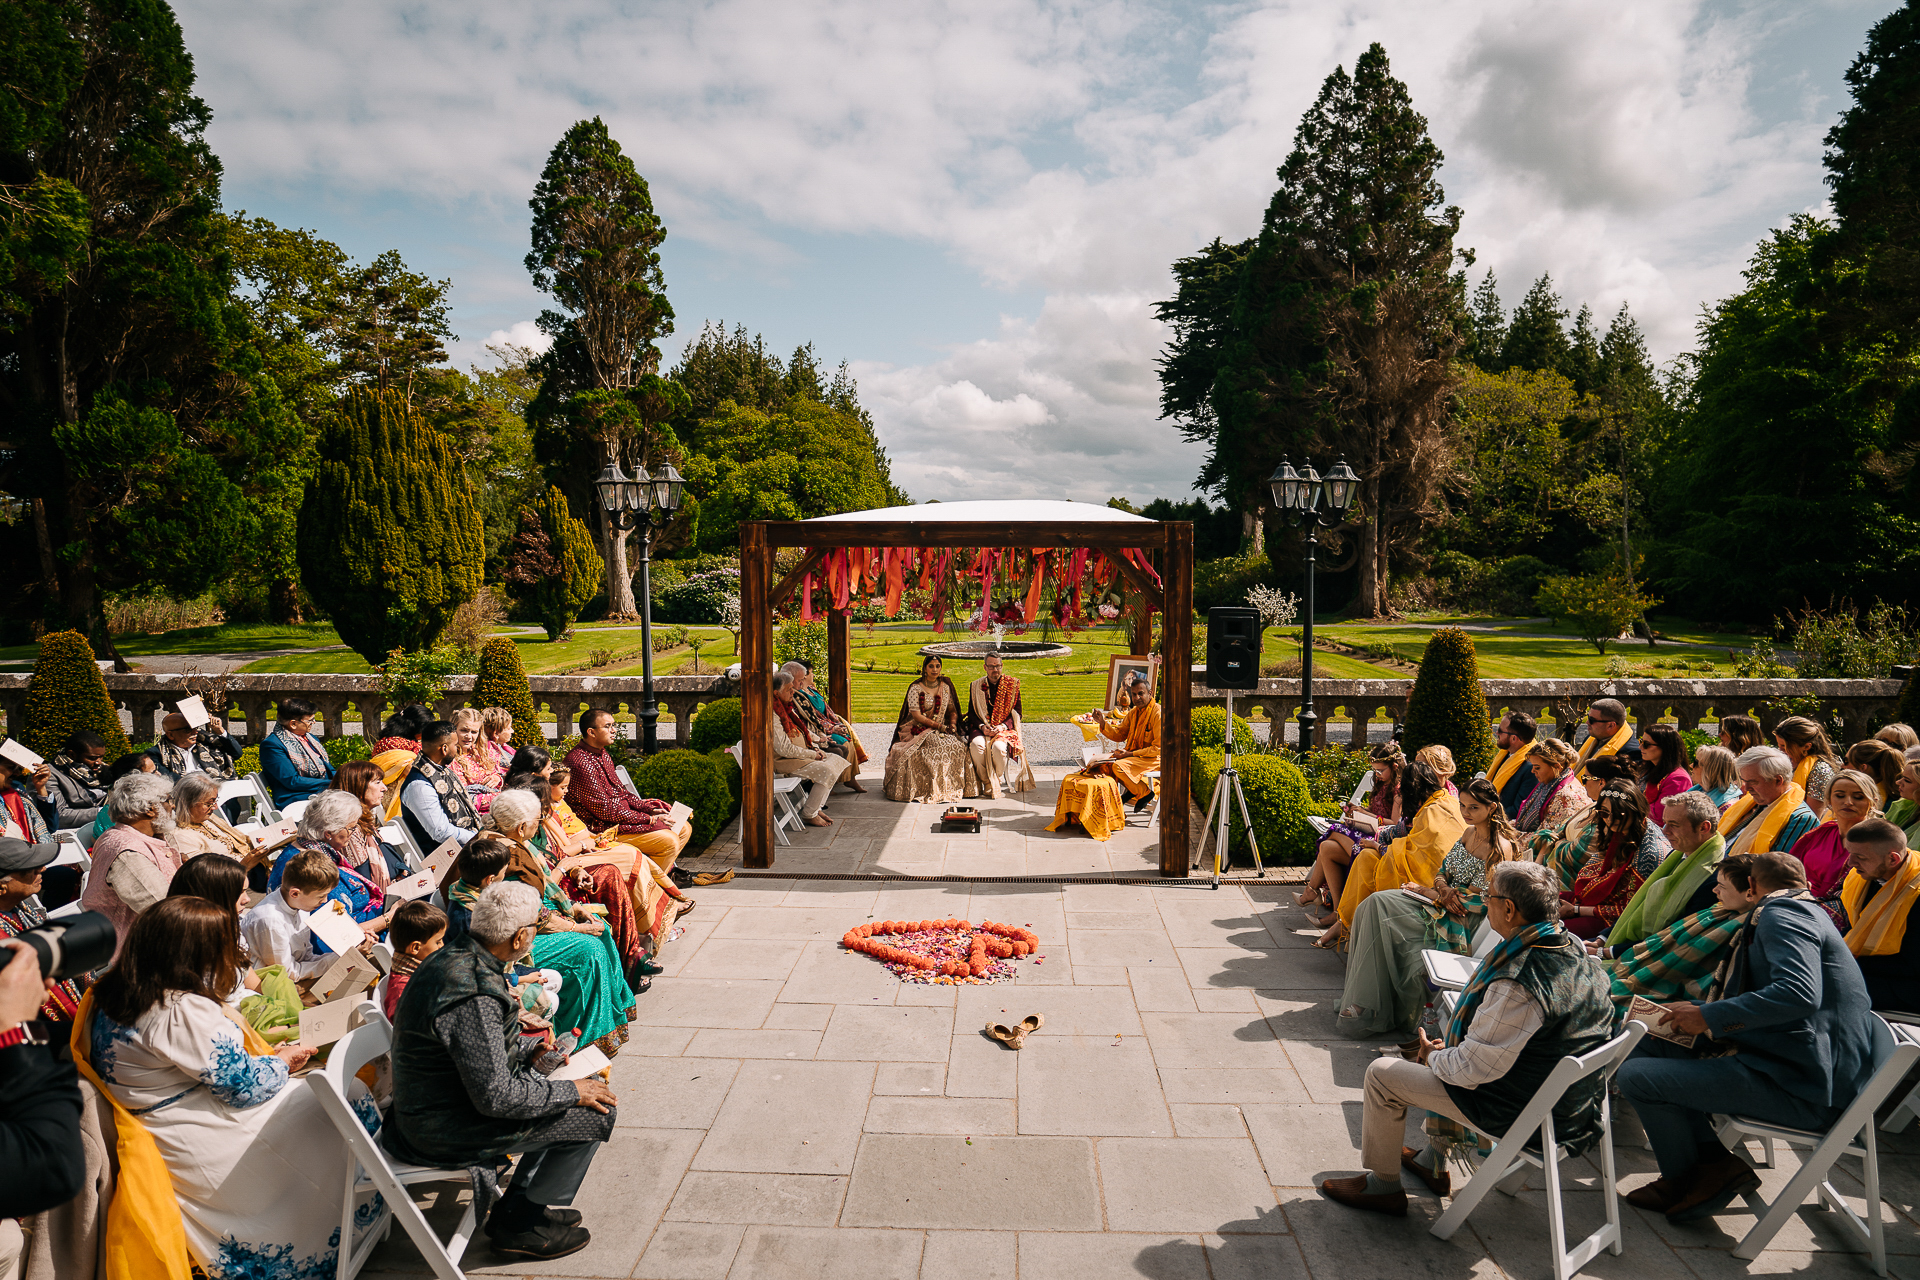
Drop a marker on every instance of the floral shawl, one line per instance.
(307, 759)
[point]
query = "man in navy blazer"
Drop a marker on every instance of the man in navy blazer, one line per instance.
(1793, 1009)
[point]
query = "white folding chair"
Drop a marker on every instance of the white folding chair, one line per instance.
(293, 810)
(1511, 1164)
(626, 779)
(1153, 810)
(371, 1169)
(73, 850)
(397, 835)
(247, 790)
(1361, 790)
(1451, 971)
(786, 801)
(266, 811)
(1894, 1053)
(1906, 1026)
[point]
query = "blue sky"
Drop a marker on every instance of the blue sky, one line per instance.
(976, 204)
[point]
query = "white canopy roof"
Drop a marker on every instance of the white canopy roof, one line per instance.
(1036, 511)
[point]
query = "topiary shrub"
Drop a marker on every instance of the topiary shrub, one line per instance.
(67, 694)
(1447, 704)
(249, 762)
(502, 682)
(1210, 730)
(1277, 799)
(715, 725)
(348, 746)
(691, 779)
(729, 773)
(554, 568)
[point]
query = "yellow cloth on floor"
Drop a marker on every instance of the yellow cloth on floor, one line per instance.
(1414, 857)
(145, 1237)
(1095, 799)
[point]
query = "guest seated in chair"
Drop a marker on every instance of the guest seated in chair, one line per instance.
(796, 752)
(293, 762)
(1789, 1015)
(928, 760)
(79, 790)
(992, 729)
(827, 728)
(595, 792)
(131, 861)
(1516, 735)
(464, 1094)
(1771, 815)
(1434, 825)
(1138, 732)
(183, 749)
(1535, 999)
(1608, 732)
(1880, 893)
(434, 802)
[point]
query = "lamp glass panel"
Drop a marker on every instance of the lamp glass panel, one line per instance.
(1310, 489)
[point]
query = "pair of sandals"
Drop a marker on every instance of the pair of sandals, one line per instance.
(1013, 1037)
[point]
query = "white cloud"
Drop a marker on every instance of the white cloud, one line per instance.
(523, 333)
(1071, 148)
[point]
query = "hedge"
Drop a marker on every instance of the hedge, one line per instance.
(1277, 799)
(715, 725)
(348, 746)
(67, 694)
(1210, 730)
(1447, 704)
(691, 779)
(502, 682)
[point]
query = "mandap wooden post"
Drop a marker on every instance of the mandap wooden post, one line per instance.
(756, 693)
(1176, 678)
(839, 666)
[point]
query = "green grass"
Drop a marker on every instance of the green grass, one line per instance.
(229, 638)
(1522, 653)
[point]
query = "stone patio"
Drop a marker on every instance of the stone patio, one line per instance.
(789, 1109)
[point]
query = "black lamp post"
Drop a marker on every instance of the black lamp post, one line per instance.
(641, 502)
(1300, 493)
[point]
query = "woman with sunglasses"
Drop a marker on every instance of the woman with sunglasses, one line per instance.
(1663, 768)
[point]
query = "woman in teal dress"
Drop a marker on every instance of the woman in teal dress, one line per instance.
(571, 940)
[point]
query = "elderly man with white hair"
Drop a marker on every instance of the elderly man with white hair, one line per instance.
(132, 863)
(828, 729)
(464, 1093)
(1773, 813)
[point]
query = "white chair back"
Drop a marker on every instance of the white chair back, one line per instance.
(371, 1169)
(397, 835)
(626, 779)
(1510, 1164)
(786, 805)
(293, 810)
(73, 850)
(1907, 1027)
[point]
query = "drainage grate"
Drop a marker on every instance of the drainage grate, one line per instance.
(1192, 882)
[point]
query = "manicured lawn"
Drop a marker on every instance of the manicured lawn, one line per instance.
(230, 638)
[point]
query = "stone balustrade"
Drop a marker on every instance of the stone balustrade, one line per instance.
(1861, 704)
(251, 699)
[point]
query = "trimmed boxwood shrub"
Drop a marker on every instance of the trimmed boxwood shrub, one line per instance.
(715, 725)
(1447, 705)
(348, 746)
(1277, 798)
(67, 694)
(1210, 730)
(692, 779)
(249, 762)
(502, 682)
(729, 773)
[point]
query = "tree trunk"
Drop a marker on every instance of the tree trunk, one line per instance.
(619, 577)
(1370, 550)
(283, 600)
(1253, 532)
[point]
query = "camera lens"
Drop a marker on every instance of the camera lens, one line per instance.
(72, 945)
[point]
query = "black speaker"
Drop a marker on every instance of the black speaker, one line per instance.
(1233, 648)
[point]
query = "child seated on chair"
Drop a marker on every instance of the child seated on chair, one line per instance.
(419, 929)
(275, 928)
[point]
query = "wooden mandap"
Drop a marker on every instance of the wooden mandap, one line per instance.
(847, 550)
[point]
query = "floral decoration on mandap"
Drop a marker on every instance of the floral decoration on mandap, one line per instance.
(945, 951)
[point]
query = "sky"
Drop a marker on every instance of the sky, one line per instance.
(976, 206)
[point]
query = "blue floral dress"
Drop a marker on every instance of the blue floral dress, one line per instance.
(256, 1165)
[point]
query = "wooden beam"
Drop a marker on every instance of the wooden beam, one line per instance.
(756, 695)
(791, 583)
(1106, 535)
(1176, 712)
(1136, 579)
(839, 666)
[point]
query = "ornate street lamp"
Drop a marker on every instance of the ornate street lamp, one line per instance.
(643, 502)
(1301, 495)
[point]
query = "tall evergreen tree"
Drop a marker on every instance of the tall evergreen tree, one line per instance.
(1486, 326)
(1201, 314)
(1583, 352)
(552, 567)
(1536, 336)
(1346, 322)
(596, 249)
(1873, 166)
(390, 543)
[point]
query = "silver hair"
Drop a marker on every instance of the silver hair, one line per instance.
(193, 787)
(793, 669)
(513, 810)
(503, 910)
(781, 679)
(1769, 762)
(1533, 888)
(328, 812)
(1695, 806)
(139, 795)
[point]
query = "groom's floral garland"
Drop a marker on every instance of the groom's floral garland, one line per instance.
(946, 951)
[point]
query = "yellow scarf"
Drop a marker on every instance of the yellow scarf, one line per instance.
(393, 767)
(1880, 928)
(1804, 770)
(1506, 764)
(1612, 747)
(1774, 819)
(145, 1237)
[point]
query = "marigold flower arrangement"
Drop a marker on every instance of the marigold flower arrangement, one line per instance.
(945, 950)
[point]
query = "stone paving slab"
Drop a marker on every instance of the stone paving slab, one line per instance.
(789, 1109)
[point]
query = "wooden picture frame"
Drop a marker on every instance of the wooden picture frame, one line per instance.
(1119, 665)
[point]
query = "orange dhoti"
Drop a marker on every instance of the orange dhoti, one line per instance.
(1094, 799)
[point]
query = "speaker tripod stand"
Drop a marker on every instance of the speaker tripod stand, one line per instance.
(1227, 792)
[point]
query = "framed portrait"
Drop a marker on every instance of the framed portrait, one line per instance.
(1124, 669)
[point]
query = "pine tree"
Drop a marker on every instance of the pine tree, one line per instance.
(1486, 326)
(67, 694)
(552, 568)
(1536, 337)
(1583, 353)
(389, 540)
(1447, 704)
(502, 682)
(1873, 166)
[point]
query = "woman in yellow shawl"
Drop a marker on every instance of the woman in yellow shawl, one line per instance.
(1414, 858)
(1139, 733)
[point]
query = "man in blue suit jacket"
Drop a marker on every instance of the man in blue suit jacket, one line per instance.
(292, 761)
(1795, 1008)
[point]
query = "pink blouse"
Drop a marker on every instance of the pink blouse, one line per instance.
(1658, 795)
